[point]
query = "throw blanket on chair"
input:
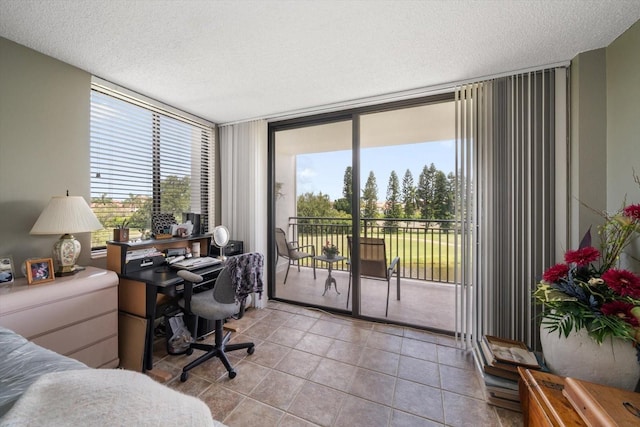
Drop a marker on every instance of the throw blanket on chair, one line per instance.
(246, 273)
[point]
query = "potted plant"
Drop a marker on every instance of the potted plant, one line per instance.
(330, 250)
(592, 306)
(121, 233)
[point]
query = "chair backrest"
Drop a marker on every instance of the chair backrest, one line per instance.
(373, 257)
(281, 242)
(224, 291)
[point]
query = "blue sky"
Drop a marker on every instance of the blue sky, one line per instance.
(324, 172)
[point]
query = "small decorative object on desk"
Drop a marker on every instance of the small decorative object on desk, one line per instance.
(121, 234)
(39, 270)
(161, 225)
(6, 270)
(590, 295)
(330, 250)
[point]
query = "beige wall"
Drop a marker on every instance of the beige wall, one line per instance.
(605, 132)
(588, 142)
(44, 145)
(623, 122)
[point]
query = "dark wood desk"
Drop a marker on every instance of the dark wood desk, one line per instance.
(161, 281)
(142, 290)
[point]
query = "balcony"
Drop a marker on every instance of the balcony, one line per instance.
(426, 250)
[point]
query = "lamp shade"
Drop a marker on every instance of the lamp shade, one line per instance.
(66, 214)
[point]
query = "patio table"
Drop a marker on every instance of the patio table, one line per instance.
(330, 278)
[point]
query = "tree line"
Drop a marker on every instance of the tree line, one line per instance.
(432, 198)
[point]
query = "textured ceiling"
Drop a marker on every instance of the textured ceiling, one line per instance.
(230, 61)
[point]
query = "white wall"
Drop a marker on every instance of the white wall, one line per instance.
(44, 145)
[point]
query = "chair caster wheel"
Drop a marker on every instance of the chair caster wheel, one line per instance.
(232, 374)
(184, 376)
(189, 351)
(251, 350)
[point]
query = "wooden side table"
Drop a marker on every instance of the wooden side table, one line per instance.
(543, 403)
(330, 278)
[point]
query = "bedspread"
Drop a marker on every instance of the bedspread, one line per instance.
(22, 363)
(113, 397)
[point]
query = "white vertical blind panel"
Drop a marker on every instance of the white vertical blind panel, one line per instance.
(505, 133)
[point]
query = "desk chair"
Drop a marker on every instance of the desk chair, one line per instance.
(373, 264)
(215, 304)
(292, 252)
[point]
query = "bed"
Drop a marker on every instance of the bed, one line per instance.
(42, 388)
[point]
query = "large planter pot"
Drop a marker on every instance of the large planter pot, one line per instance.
(612, 363)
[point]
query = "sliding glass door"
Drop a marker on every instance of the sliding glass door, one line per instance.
(407, 168)
(378, 185)
(312, 167)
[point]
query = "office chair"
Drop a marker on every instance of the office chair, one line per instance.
(292, 252)
(373, 265)
(215, 304)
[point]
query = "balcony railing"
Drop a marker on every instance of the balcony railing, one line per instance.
(426, 247)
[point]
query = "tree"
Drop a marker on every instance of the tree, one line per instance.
(315, 206)
(392, 207)
(424, 192)
(347, 189)
(408, 195)
(442, 202)
(370, 197)
(175, 195)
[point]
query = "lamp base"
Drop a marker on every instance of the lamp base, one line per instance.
(66, 271)
(65, 252)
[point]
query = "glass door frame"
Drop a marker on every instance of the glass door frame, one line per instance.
(354, 116)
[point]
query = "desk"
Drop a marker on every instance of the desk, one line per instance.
(157, 281)
(330, 278)
(142, 289)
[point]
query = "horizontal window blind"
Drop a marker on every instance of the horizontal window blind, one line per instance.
(145, 161)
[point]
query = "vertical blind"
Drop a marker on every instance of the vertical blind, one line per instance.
(145, 160)
(506, 141)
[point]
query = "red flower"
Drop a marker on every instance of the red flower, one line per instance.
(621, 309)
(556, 273)
(624, 282)
(582, 256)
(633, 212)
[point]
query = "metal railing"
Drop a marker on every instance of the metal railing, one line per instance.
(426, 247)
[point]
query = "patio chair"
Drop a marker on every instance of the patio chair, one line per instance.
(293, 252)
(373, 265)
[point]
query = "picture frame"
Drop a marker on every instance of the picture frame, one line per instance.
(39, 270)
(7, 273)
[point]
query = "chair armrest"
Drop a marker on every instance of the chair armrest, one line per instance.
(394, 263)
(313, 248)
(189, 279)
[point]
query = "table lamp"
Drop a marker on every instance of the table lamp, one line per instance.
(66, 215)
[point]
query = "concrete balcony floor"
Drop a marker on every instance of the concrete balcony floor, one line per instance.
(422, 303)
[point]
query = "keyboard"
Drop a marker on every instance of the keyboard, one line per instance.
(195, 263)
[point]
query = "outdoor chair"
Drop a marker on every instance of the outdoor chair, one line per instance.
(293, 253)
(373, 265)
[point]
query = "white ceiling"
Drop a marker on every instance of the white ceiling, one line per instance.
(229, 61)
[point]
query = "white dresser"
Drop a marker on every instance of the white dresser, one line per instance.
(76, 316)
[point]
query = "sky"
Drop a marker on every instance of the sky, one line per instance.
(324, 172)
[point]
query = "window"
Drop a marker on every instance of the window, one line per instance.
(145, 160)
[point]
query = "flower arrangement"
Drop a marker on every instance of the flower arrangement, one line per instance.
(589, 291)
(330, 250)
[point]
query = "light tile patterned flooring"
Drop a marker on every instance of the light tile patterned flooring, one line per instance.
(315, 368)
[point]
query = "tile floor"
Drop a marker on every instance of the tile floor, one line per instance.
(313, 368)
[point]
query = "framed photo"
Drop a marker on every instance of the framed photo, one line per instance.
(39, 270)
(6, 270)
